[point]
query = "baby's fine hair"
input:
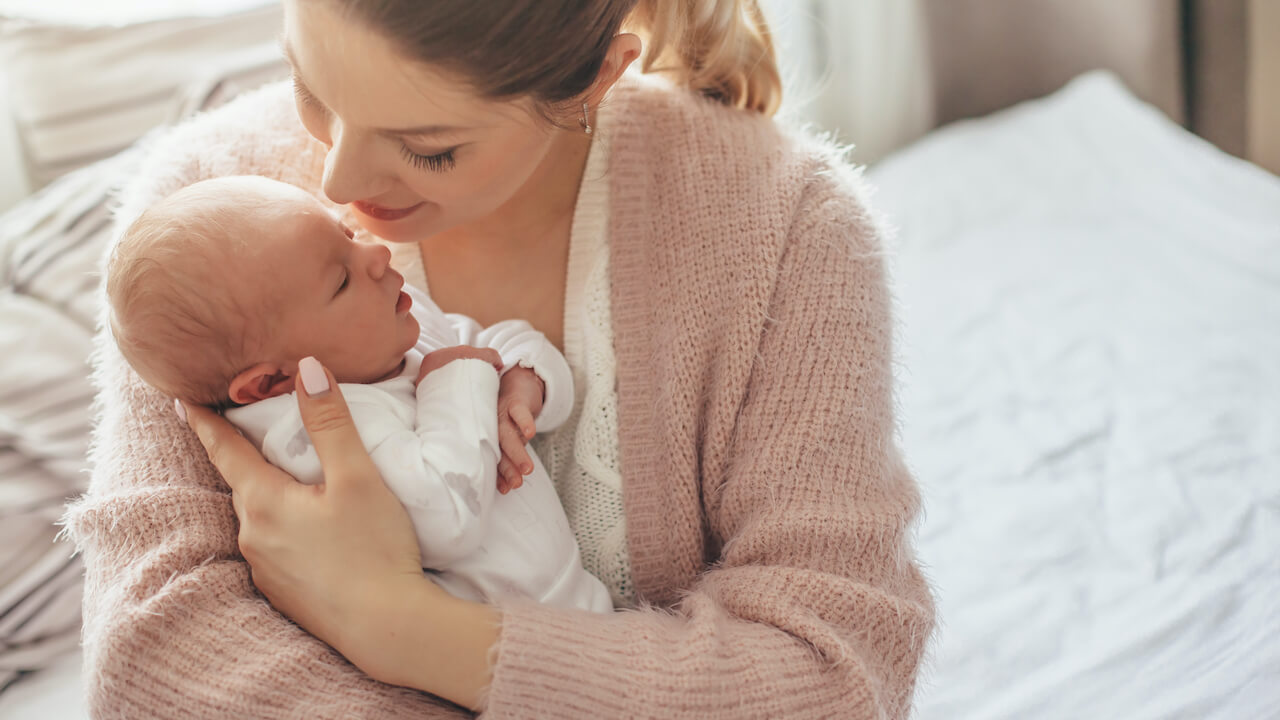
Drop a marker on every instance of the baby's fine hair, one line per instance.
(171, 311)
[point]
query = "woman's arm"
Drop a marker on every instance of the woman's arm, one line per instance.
(172, 623)
(814, 606)
(173, 626)
(340, 558)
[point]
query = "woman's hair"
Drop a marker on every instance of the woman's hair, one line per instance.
(551, 50)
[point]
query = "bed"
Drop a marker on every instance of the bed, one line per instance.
(1088, 300)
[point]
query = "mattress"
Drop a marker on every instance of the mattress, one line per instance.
(1088, 302)
(1089, 333)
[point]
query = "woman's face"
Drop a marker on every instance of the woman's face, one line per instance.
(414, 151)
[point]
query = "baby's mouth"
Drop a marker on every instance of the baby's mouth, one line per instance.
(403, 303)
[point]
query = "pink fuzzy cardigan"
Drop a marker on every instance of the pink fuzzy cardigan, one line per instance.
(769, 514)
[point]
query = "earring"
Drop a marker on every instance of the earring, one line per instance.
(585, 122)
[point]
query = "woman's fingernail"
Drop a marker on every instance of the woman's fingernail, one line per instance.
(182, 412)
(314, 381)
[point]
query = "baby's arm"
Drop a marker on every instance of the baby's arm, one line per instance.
(443, 468)
(521, 345)
(524, 407)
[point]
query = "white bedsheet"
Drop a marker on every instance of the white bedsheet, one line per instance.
(1089, 302)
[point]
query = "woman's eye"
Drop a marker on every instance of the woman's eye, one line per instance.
(304, 96)
(435, 163)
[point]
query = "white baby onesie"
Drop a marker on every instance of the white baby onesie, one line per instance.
(437, 450)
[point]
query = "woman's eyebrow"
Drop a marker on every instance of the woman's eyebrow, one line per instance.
(424, 131)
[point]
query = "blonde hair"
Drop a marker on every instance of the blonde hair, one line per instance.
(169, 311)
(720, 48)
(552, 50)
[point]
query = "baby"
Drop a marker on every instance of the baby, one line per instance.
(217, 292)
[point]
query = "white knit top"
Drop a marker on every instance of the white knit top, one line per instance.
(582, 454)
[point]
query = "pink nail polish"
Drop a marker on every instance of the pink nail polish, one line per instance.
(181, 411)
(314, 381)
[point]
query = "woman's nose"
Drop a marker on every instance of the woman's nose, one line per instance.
(348, 173)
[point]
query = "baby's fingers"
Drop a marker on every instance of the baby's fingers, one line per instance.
(512, 444)
(523, 419)
(508, 477)
(492, 357)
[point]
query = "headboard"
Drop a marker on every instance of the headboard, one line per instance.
(988, 54)
(1210, 64)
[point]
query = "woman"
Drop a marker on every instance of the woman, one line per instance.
(730, 470)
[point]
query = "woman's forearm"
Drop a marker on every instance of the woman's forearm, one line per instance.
(429, 640)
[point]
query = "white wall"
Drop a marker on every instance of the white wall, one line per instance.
(858, 68)
(120, 12)
(1264, 84)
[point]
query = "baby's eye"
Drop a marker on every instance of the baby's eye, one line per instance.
(345, 277)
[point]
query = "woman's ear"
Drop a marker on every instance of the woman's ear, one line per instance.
(623, 50)
(260, 382)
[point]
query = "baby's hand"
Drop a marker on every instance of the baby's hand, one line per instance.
(440, 358)
(519, 401)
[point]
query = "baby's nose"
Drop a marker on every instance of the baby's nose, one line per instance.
(380, 261)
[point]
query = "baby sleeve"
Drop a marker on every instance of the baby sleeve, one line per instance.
(439, 459)
(521, 345)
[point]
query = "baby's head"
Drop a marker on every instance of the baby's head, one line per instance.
(217, 291)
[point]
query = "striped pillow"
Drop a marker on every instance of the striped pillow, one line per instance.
(51, 249)
(80, 94)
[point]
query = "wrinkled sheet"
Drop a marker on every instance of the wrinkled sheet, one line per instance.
(1089, 365)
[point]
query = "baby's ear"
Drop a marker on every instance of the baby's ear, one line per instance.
(260, 382)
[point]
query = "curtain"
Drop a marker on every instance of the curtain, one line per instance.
(857, 68)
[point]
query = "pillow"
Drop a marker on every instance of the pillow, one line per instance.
(51, 249)
(83, 92)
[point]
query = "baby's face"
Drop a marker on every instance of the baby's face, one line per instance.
(329, 296)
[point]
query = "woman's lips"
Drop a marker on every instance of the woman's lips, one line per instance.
(403, 303)
(377, 212)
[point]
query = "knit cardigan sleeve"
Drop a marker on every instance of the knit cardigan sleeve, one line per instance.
(810, 603)
(173, 625)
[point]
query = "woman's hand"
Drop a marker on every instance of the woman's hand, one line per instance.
(520, 396)
(332, 557)
(341, 559)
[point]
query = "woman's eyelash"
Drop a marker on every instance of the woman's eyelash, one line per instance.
(302, 94)
(436, 163)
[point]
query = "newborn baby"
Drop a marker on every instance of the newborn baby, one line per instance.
(217, 292)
